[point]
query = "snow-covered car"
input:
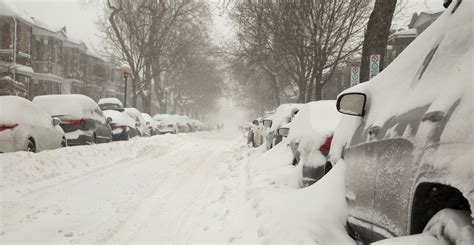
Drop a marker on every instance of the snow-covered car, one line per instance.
(150, 123)
(81, 118)
(139, 121)
(282, 116)
(309, 137)
(25, 127)
(123, 126)
(166, 123)
(408, 144)
(110, 104)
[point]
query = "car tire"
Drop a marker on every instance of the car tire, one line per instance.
(63, 142)
(451, 226)
(30, 145)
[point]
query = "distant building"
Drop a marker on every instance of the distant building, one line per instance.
(45, 60)
(422, 20)
(397, 42)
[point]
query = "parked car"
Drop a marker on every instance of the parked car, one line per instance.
(81, 118)
(150, 123)
(139, 120)
(111, 104)
(282, 116)
(166, 123)
(309, 137)
(123, 126)
(25, 127)
(409, 154)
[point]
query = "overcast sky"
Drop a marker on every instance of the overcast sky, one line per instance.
(80, 16)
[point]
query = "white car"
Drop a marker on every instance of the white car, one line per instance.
(25, 127)
(140, 121)
(282, 116)
(166, 123)
(150, 123)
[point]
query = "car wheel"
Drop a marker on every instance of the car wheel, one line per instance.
(63, 142)
(30, 145)
(451, 226)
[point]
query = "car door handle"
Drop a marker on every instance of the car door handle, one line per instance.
(375, 130)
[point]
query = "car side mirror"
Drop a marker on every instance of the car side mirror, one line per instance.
(352, 104)
(137, 124)
(255, 122)
(109, 120)
(283, 132)
(56, 121)
(267, 123)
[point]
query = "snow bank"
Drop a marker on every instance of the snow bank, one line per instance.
(21, 170)
(317, 213)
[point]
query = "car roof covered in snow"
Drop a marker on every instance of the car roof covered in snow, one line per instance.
(114, 101)
(282, 115)
(69, 105)
(15, 109)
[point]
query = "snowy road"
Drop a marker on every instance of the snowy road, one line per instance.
(181, 189)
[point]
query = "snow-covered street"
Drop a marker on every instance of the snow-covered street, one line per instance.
(165, 188)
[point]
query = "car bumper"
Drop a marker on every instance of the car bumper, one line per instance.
(83, 139)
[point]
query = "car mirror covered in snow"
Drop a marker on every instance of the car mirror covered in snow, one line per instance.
(352, 104)
(283, 132)
(56, 121)
(267, 123)
(109, 120)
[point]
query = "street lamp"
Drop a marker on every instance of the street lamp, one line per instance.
(126, 71)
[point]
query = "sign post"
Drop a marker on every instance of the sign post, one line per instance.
(355, 75)
(374, 65)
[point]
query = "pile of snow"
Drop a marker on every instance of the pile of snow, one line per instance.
(22, 171)
(69, 106)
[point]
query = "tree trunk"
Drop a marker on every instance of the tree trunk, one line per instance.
(146, 91)
(375, 40)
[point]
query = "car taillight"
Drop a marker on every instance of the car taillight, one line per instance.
(170, 125)
(119, 126)
(8, 126)
(326, 146)
(77, 122)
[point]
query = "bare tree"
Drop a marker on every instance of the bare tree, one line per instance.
(299, 42)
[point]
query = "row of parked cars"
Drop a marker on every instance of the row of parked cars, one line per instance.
(406, 138)
(53, 121)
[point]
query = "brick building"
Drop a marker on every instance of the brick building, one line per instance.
(46, 61)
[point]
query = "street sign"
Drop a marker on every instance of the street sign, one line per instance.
(374, 65)
(355, 75)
